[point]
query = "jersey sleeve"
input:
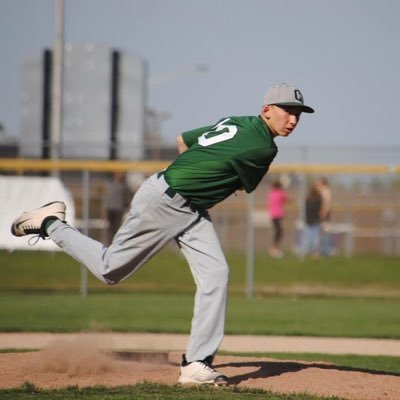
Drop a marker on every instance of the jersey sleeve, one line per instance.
(190, 137)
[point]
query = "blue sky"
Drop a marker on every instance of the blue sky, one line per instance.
(343, 54)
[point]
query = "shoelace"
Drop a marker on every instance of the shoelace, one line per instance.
(34, 239)
(41, 235)
(207, 367)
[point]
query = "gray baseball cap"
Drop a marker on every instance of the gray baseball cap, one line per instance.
(286, 95)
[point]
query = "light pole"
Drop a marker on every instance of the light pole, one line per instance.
(57, 84)
(177, 73)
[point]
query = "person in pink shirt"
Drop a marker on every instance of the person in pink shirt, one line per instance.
(276, 199)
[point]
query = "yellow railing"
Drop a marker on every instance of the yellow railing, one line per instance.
(21, 165)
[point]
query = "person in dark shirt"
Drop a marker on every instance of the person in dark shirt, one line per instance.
(312, 223)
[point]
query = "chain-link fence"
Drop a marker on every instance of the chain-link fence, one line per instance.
(365, 207)
(365, 216)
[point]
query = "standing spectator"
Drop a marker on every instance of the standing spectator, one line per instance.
(276, 199)
(312, 226)
(325, 214)
(116, 203)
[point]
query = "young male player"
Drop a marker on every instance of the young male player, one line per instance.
(214, 162)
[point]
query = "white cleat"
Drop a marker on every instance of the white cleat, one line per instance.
(200, 373)
(31, 222)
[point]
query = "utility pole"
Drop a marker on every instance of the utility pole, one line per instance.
(57, 82)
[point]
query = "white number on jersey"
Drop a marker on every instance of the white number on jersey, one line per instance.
(221, 137)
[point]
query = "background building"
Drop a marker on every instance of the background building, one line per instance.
(8, 144)
(103, 104)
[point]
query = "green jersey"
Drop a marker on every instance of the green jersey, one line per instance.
(233, 154)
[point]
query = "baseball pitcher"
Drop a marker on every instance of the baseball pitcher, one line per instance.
(214, 162)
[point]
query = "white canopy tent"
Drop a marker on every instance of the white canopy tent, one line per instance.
(20, 193)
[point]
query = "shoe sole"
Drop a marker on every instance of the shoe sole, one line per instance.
(216, 382)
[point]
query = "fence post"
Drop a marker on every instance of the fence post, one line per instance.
(349, 245)
(85, 228)
(250, 247)
(302, 211)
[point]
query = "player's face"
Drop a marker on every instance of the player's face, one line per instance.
(282, 120)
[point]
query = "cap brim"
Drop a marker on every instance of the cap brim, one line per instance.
(304, 108)
(307, 109)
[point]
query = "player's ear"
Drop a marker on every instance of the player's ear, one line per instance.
(266, 111)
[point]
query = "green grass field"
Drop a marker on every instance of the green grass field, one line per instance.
(168, 272)
(343, 297)
(349, 297)
(161, 312)
(147, 391)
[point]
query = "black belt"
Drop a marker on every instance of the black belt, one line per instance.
(169, 191)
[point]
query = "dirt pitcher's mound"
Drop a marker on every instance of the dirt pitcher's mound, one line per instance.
(81, 363)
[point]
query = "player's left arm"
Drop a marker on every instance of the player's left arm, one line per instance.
(189, 138)
(181, 145)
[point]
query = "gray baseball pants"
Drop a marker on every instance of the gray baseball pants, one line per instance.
(155, 218)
